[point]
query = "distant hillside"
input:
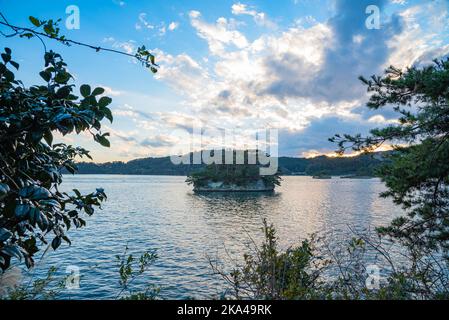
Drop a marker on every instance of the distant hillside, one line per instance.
(361, 165)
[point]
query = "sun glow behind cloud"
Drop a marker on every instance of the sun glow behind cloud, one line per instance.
(259, 71)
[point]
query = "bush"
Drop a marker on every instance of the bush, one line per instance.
(31, 206)
(323, 268)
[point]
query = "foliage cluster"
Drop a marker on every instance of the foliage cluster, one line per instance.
(238, 174)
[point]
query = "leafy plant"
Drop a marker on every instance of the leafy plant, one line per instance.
(417, 175)
(32, 208)
(238, 174)
(268, 273)
(130, 269)
(46, 288)
(31, 165)
(328, 269)
(49, 29)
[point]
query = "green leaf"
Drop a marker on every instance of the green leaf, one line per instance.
(85, 90)
(21, 211)
(103, 140)
(35, 21)
(48, 29)
(56, 243)
(108, 114)
(27, 35)
(97, 91)
(14, 64)
(33, 216)
(63, 92)
(66, 239)
(6, 57)
(62, 77)
(104, 101)
(34, 193)
(9, 76)
(45, 75)
(42, 222)
(48, 136)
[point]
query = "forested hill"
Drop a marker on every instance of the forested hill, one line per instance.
(359, 165)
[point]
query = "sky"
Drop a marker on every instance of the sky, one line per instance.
(246, 66)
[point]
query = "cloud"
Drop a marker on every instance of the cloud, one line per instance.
(182, 73)
(380, 119)
(176, 120)
(122, 135)
(161, 28)
(108, 91)
(347, 59)
(158, 141)
(401, 2)
(218, 35)
(193, 14)
(306, 21)
(128, 111)
(260, 18)
(419, 44)
(173, 25)
(129, 46)
(302, 79)
(284, 80)
(143, 23)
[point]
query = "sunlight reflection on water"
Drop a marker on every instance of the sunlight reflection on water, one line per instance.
(162, 212)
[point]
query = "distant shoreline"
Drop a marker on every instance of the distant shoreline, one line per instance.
(361, 165)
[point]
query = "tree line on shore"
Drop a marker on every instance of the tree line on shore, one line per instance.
(364, 165)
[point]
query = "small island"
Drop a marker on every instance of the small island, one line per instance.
(233, 178)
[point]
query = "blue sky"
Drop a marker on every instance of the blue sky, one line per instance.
(247, 65)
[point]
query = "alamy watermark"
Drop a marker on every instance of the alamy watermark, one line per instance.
(73, 21)
(372, 282)
(72, 281)
(373, 20)
(227, 146)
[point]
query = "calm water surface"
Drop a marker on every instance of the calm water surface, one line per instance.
(161, 212)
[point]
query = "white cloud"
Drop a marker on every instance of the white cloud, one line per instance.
(173, 25)
(108, 91)
(127, 46)
(417, 38)
(218, 35)
(143, 23)
(259, 17)
(358, 39)
(161, 27)
(306, 21)
(231, 93)
(401, 2)
(194, 14)
(182, 73)
(380, 119)
(282, 79)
